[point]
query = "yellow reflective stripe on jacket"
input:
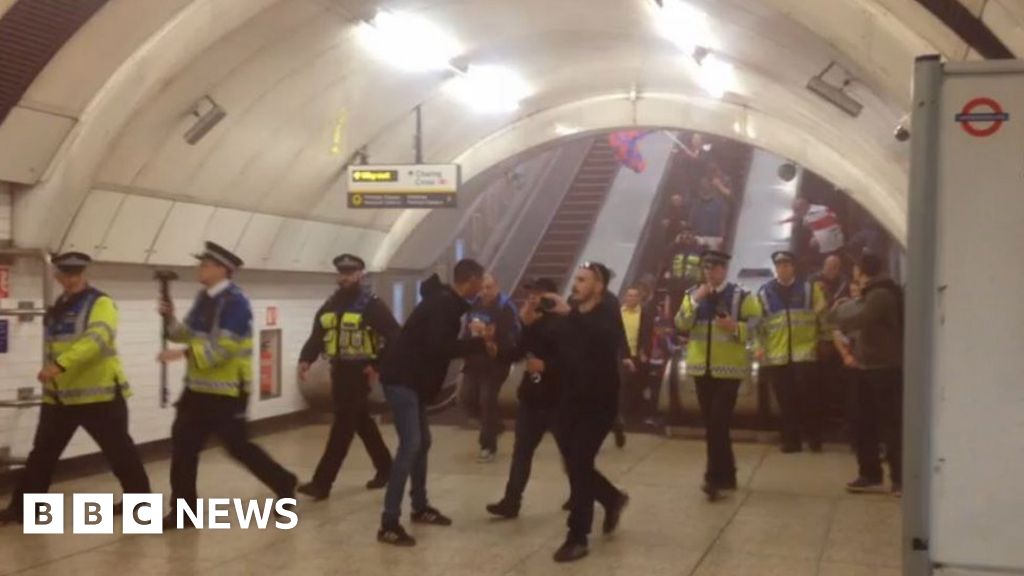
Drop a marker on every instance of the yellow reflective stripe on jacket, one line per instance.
(793, 335)
(220, 362)
(346, 337)
(729, 356)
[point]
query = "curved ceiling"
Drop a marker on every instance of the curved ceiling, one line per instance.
(302, 94)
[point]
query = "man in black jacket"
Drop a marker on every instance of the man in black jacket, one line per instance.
(413, 372)
(352, 329)
(590, 353)
(539, 392)
(483, 376)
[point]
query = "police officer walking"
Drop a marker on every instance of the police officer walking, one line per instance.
(83, 385)
(218, 336)
(351, 329)
(789, 351)
(716, 314)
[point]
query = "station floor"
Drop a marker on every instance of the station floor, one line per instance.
(790, 517)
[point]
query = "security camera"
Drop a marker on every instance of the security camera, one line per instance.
(207, 114)
(787, 172)
(902, 132)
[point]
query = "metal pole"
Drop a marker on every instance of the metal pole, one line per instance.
(418, 137)
(920, 316)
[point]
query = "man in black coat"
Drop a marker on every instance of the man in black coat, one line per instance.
(352, 330)
(539, 393)
(590, 353)
(413, 372)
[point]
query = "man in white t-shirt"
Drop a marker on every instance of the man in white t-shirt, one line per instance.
(822, 223)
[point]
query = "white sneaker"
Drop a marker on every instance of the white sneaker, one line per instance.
(485, 457)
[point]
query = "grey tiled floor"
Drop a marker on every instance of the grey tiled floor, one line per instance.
(791, 517)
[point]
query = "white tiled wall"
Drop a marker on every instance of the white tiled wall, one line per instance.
(5, 212)
(296, 296)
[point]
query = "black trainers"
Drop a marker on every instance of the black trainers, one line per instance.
(314, 491)
(711, 491)
(431, 516)
(613, 515)
(864, 485)
(573, 550)
(504, 509)
(10, 516)
(379, 481)
(620, 438)
(395, 536)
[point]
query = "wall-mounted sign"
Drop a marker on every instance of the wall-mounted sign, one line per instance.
(270, 364)
(5, 282)
(271, 316)
(403, 186)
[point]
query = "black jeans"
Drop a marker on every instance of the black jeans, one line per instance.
(480, 398)
(880, 417)
(800, 401)
(532, 422)
(106, 422)
(200, 415)
(582, 434)
(349, 390)
(717, 399)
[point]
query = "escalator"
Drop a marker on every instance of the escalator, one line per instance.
(567, 234)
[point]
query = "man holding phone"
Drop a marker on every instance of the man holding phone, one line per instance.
(716, 315)
(539, 392)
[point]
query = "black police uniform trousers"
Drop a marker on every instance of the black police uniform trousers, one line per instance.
(533, 420)
(583, 432)
(800, 402)
(350, 389)
(201, 415)
(717, 398)
(105, 422)
(880, 418)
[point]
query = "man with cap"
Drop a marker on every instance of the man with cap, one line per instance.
(351, 330)
(539, 393)
(84, 386)
(788, 351)
(716, 315)
(217, 334)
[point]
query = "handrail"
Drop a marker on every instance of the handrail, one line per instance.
(47, 289)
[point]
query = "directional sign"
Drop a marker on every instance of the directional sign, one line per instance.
(403, 186)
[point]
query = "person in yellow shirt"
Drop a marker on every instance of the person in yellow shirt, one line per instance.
(638, 324)
(83, 386)
(716, 315)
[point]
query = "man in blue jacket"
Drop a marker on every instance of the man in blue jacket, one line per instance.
(482, 376)
(412, 373)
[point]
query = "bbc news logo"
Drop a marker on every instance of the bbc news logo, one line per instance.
(143, 514)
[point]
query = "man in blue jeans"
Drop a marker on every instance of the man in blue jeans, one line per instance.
(412, 373)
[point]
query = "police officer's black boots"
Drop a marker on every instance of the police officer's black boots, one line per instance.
(314, 491)
(504, 509)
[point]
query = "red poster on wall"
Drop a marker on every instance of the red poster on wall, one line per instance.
(5, 282)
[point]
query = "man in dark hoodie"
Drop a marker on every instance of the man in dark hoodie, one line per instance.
(591, 349)
(877, 317)
(482, 376)
(352, 330)
(413, 372)
(539, 393)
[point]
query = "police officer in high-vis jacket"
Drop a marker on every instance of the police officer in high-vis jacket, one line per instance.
(83, 385)
(789, 335)
(217, 334)
(716, 315)
(351, 330)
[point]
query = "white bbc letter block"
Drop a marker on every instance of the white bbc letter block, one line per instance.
(93, 514)
(218, 508)
(143, 514)
(43, 513)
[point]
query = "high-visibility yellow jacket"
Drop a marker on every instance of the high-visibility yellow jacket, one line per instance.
(348, 335)
(791, 327)
(80, 333)
(711, 349)
(218, 335)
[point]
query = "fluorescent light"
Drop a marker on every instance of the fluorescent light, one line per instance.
(685, 26)
(716, 76)
(564, 130)
(408, 41)
(489, 89)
